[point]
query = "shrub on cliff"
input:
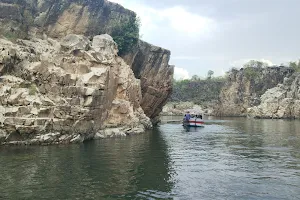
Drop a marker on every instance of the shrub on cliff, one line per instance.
(252, 68)
(295, 65)
(126, 34)
(251, 73)
(256, 63)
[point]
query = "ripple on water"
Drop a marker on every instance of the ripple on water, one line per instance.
(227, 159)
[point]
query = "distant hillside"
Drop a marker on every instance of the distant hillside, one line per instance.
(197, 91)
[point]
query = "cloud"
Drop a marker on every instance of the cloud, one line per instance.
(217, 35)
(180, 73)
(186, 58)
(268, 62)
(189, 23)
(175, 19)
(117, 1)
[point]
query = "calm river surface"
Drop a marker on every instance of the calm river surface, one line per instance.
(233, 158)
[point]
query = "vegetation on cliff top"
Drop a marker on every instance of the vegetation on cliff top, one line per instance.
(295, 65)
(126, 34)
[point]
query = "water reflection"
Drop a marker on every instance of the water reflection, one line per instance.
(231, 158)
(236, 158)
(113, 169)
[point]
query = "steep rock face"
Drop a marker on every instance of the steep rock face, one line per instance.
(244, 88)
(150, 64)
(58, 18)
(282, 101)
(68, 91)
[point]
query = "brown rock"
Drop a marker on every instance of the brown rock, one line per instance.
(150, 64)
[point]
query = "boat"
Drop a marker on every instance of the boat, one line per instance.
(194, 121)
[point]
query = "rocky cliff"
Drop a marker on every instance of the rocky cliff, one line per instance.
(150, 64)
(58, 18)
(67, 91)
(282, 101)
(244, 88)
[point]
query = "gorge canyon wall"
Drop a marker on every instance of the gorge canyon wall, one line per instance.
(62, 79)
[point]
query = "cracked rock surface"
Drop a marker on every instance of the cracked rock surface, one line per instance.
(67, 91)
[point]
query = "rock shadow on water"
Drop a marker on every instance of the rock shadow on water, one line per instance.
(119, 168)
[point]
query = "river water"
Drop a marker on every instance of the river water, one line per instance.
(233, 158)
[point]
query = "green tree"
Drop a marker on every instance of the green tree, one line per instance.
(295, 65)
(210, 73)
(126, 34)
(251, 73)
(195, 78)
(255, 63)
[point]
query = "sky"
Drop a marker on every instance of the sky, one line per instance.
(220, 34)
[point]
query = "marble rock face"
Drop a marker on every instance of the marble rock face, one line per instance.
(66, 91)
(245, 88)
(282, 101)
(150, 64)
(25, 19)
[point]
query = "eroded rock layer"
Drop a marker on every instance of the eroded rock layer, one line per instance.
(67, 91)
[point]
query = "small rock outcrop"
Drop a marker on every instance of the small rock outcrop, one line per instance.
(282, 101)
(150, 64)
(244, 88)
(67, 91)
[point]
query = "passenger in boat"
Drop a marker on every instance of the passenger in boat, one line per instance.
(187, 116)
